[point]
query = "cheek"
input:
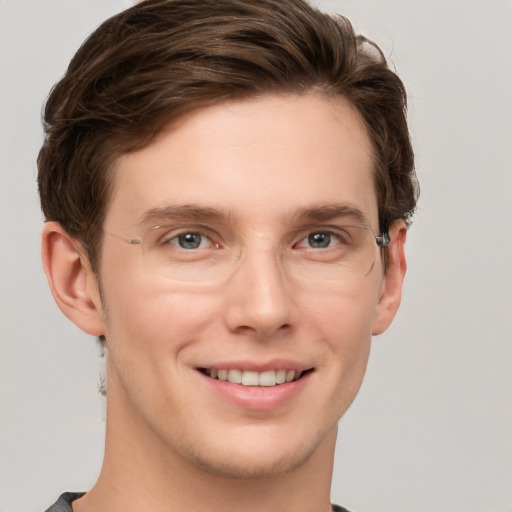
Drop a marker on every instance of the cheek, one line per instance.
(344, 317)
(146, 321)
(342, 324)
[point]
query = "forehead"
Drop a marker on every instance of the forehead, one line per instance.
(259, 159)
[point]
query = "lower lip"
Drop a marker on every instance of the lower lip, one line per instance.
(258, 398)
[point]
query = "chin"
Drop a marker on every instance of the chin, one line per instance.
(255, 467)
(260, 457)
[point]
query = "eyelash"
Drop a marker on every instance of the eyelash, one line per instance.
(168, 239)
(330, 234)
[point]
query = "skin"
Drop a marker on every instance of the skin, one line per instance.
(172, 440)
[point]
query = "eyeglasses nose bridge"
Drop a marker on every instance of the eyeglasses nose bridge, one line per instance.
(259, 255)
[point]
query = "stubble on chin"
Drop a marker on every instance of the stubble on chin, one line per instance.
(257, 468)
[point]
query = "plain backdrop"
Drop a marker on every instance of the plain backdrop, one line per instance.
(432, 427)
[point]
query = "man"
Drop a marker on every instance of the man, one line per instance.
(226, 186)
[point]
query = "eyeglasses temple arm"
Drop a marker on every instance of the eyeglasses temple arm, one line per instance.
(383, 239)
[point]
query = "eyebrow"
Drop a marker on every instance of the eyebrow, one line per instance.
(185, 211)
(315, 213)
(325, 212)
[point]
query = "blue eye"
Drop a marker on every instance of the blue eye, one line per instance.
(319, 240)
(190, 240)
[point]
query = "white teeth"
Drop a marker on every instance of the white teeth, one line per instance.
(267, 378)
(251, 378)
(235, 376)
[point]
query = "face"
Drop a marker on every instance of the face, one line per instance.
(250, 180)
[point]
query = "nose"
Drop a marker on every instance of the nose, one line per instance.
(259, 299)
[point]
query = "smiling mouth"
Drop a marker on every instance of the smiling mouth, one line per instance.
(267, 378)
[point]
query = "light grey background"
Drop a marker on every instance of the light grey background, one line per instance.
(432, 427)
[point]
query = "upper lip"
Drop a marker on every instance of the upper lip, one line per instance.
(258, 366)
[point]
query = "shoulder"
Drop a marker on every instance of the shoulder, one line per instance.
(337, 508)
(63, 504)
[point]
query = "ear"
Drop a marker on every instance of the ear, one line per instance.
(391, 289)
(73, 284)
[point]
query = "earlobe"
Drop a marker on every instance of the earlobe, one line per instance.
(73, 284)
(391, 290)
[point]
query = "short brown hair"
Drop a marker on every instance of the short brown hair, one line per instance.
(161, 59)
